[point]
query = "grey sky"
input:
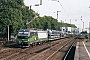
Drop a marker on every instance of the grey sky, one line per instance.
(70, 9)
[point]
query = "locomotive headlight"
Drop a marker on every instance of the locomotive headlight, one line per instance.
(28, 39)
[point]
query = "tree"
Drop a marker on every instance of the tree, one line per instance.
(15, 13)
(11, 14)
(48, 22)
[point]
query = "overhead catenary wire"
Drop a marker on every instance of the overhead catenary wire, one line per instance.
(63, 7)
(71, 12)
(69, 6)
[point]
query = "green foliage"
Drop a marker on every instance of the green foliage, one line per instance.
(11, 14)
(48, 22)
(45, 22)
(61, 24)
(15, 13)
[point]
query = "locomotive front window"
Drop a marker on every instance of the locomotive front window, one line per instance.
(23, 34)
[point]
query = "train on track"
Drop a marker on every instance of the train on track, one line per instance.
(28, 38)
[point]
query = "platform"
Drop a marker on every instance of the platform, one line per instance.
(82, 51)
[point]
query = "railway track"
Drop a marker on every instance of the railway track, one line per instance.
(15, 52)
(30, 53)
(50, 54)
(67, 55)
(63, 52)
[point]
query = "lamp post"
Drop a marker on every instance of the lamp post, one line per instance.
(89, 29)
(40, 2)
(70, 21)
(89, 32)
(8, 32)
(57, 15)
(82, 24)
(57, 19)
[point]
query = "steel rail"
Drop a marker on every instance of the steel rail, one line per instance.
(57, 50)
(69, 51)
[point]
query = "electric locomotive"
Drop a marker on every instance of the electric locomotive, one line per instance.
(26, 37)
